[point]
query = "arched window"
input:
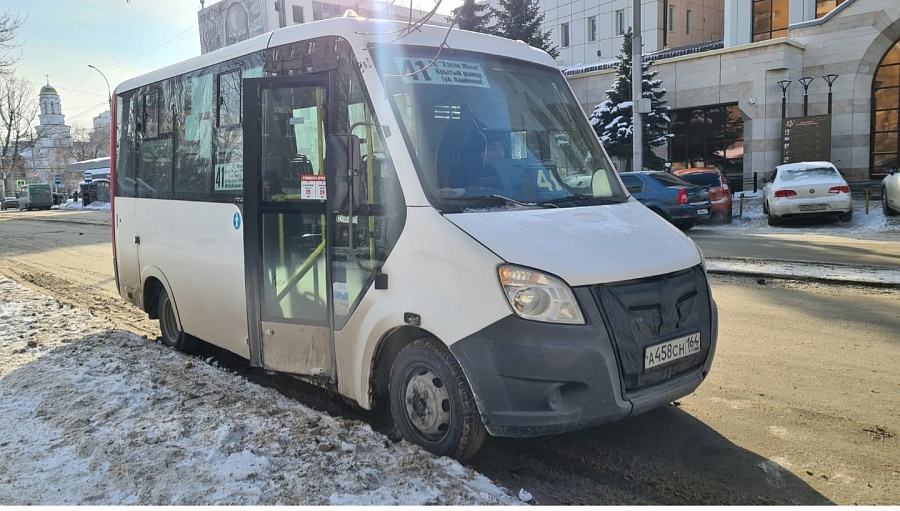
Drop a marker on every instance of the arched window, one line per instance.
(885, 113)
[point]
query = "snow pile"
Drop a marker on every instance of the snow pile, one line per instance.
(753, 220)
(96, 416)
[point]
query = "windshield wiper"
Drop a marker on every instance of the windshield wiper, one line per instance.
(582, 196)
(502, 198)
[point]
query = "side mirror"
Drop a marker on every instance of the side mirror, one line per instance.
(891, 172)
(342, 164)
(763, 181)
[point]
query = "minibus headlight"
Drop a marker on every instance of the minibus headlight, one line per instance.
(539, 297)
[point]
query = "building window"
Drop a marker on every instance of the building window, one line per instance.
(823, 7)
(671, 18)
(708, 136)
(564, 35)
(298, 13)
(687, 22)
(620, 22)
(770, 19)
(592, 28)
(885, 113)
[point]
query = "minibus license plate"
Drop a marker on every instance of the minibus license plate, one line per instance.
(812, 207)
(671, 350)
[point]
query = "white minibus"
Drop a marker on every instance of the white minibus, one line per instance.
(414, 217)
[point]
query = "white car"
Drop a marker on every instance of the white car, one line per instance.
(806, 189)
(890, 193)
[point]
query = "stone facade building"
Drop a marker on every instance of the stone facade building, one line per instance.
(727, 101)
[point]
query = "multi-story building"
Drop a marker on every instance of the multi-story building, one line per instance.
(779, 59)
(590, 30)
(229, 21)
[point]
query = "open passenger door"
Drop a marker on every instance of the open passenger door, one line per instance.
(287, 260)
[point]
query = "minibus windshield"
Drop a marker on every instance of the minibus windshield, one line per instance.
(481, 127)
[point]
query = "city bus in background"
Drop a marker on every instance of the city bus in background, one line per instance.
(310, 200)
(35, 196)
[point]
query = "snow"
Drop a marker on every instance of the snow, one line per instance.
(872, 226)
(98, 206)
(92, 415)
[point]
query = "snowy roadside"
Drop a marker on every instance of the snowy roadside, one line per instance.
(96, 416)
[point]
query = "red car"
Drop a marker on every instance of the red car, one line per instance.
(713, 180)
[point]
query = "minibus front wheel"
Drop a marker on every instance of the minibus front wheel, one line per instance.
(432, 403)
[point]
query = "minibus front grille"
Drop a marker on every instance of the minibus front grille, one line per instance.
(646, 312)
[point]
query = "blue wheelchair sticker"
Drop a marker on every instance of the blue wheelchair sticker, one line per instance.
(236, 221)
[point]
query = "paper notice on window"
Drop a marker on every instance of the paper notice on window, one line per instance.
(312, 187)
(442, 72)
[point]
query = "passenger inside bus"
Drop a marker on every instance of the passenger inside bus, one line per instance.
(272, 187)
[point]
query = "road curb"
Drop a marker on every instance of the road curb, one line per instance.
(848, 275)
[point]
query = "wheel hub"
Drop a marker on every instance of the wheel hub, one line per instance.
(428, 403)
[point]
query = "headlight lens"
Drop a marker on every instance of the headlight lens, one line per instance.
(539, 297)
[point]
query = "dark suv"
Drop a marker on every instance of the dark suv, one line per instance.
(669, 196)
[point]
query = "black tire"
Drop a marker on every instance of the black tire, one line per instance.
(685, 226)
(728, 217)
(432, 403)
(773, 220)
(172, 335)
(846, 217)
(888, 211)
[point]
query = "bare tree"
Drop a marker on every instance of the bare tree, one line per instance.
(18, 109)
(8, 26)
(89, 143)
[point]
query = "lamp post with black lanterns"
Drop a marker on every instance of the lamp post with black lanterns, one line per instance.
(829, 79)
(805, 81)
(784, 86)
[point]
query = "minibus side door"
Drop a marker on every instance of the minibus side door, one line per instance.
(287, 267)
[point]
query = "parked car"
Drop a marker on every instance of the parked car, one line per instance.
(806, 189)
(669, 196)
(714, 181)
(9, 203)
(890, 193)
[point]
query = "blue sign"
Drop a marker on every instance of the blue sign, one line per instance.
(236, 221)
(56, 180)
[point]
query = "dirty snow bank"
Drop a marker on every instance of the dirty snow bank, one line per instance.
(96, 416)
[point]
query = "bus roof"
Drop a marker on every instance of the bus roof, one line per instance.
(359, 32)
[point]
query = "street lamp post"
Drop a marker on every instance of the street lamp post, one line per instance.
(805, 81)
(108, 92)
(830, 78)
(784, 86)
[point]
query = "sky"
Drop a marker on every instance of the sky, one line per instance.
(122, 38)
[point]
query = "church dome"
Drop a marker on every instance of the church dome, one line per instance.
(48, 89)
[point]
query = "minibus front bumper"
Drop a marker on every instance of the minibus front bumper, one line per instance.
(533, 379)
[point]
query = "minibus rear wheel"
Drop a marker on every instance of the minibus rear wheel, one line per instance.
(172, 335)
(432, 403)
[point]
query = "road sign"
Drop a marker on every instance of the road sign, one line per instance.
(57, 180)
(88, 176)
